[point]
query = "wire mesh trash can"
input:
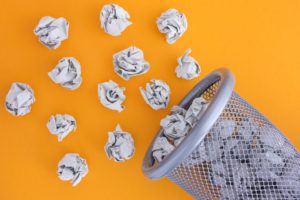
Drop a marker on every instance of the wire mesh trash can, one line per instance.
(233, 152)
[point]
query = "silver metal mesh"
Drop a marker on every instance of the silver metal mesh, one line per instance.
(243, 157)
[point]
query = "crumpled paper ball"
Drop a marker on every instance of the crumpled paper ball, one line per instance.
(19, 99)
(120, 145)
(52, 31)
(67, 73)
(173, 24)
(61, 125)
(161, 148)
(196, 110)
(130, 62)
(174, 125)
(157, 94)
(111, 95)
(114, 19)
(188, 68)
(72, 168)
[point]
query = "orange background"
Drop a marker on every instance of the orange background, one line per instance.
(258, 40)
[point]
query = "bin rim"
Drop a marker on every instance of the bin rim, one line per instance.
(201, 129)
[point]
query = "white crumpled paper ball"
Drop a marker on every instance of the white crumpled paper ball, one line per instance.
(161, 148)
(52, 31)
(61, 125)
(111, 95)
(120, 145)
(130, 62)
(188, 68)
(173, 24)
(157, 94)
(67, 73)
(195, 111)
(72, 168)
(174, 125)
(19, 99)
(114, 19)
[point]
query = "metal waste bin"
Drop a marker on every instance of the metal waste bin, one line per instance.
(233, 152)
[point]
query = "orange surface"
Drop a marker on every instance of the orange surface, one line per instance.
(258, 40)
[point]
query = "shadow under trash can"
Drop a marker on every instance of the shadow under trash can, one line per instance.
(256, 161)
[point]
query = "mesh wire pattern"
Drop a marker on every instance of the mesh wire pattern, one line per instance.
(242, 157)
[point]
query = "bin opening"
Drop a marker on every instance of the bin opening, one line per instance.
(216, 88)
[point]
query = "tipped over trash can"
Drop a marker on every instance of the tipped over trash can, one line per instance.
(232, 153)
